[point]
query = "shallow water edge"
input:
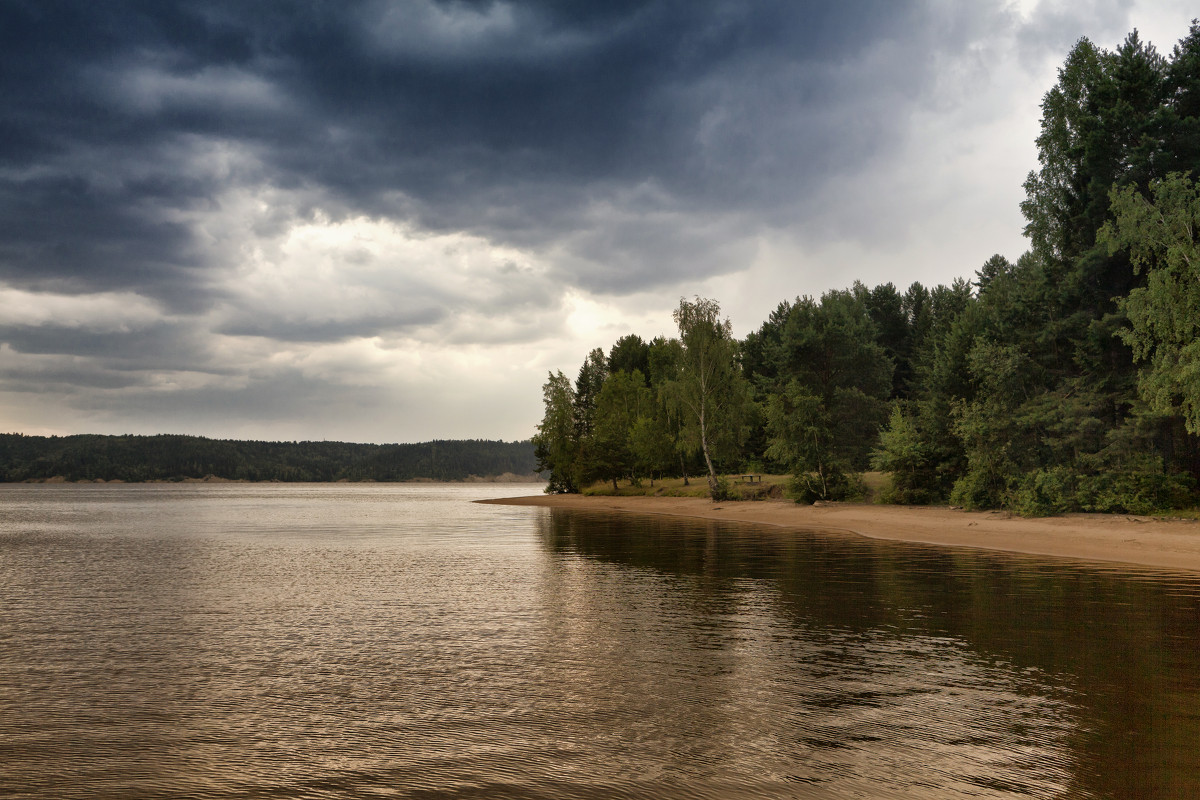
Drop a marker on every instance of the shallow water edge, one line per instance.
(1172, 545)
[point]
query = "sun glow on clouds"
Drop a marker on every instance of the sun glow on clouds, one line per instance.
(437, 329)
(116, 312)
(412, 311)
(445, 324)
(360, 277)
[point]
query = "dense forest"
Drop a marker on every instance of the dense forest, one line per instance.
(157, 458)
(1066, 380)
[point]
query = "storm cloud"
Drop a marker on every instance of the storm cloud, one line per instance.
(347, 220)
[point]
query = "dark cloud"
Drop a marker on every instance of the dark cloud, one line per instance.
(506, 119)
(321, 330)
(67, 232)
(63, 380)
(270, 395)
(166, 345)
(269, 182)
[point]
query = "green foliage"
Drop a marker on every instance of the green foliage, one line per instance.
(629, 354)
(1046, 492)
(556, 443)
(1181, 111)
(587, 388)
(830, 344)
(1050, 368)
(1162, 236)
(825, 381)
(903, 452)
(1136, 492)
(804, 435)
(652, 443)
(980, 487)
(995, 268)
(1058, 490)
(833, 484)
(885, 308)
(799, 429)
(664, 357)
(722, 490)
(708, 385)
(1055, 194)
(1101, 125)
(608, 454)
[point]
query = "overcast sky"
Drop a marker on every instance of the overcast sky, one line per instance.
(387, 220)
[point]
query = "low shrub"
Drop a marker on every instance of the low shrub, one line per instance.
(722, 490)
(1135, 492)
(1045, 493)
(979, 489)
(808, 487)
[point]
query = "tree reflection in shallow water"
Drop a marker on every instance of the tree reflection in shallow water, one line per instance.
(924, 666)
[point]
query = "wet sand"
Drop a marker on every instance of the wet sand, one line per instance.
(1144, 541)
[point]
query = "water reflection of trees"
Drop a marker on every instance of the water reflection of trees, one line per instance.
(1118, 646)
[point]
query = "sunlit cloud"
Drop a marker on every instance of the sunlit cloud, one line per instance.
(113, 312)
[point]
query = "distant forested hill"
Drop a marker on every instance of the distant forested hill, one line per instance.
(168, 457)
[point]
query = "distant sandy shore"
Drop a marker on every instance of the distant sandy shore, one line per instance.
(1144, 541)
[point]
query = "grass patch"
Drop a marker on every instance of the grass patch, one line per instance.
(771, 486)
(877, 484)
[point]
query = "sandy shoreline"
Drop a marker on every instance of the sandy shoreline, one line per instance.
(1144, 541)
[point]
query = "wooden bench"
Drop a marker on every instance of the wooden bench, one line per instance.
(751, 478)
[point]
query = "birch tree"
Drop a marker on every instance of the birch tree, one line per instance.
(709, 385)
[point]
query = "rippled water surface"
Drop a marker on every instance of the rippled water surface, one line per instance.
(283, 641)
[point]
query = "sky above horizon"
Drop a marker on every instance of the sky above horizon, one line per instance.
(388, 220)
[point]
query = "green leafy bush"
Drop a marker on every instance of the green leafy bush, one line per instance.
(723, 490)
(1046, 492)
(834, 484)
(1136, 492)
(979, 488)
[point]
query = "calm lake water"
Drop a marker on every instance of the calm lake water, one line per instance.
(367, 641)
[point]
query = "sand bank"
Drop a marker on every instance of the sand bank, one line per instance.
(1144, 541)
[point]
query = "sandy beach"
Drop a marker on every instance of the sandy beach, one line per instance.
(1143, 541)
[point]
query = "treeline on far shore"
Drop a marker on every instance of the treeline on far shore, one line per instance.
(171, 457)
(1067, 380)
